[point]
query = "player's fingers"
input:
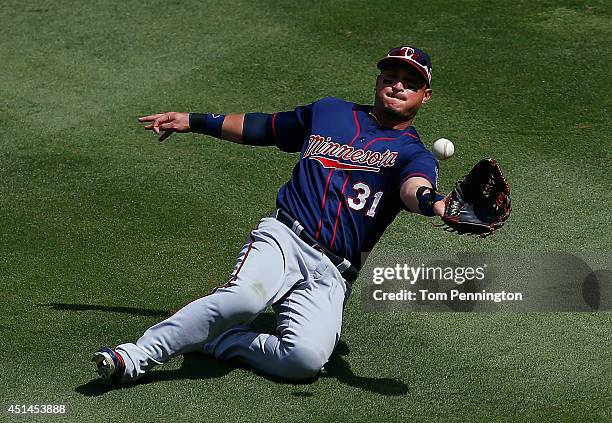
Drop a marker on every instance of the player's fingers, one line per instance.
(160, 121)
(150, 118)
(169, 126)
(149, 126)
(165, 135)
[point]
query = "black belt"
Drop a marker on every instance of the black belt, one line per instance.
(346, 269)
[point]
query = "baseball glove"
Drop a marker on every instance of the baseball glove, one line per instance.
(480, 202)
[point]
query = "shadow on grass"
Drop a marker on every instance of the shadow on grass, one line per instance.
(338, 368)
(199, 367)
(195, 367)
(147, 312)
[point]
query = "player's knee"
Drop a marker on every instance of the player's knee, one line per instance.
(301, 362)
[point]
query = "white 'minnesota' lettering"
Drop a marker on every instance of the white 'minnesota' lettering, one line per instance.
(317, 145)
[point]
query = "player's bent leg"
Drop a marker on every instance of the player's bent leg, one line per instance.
(188, 329)
(257, 281)
(310, 320)
(268, 353)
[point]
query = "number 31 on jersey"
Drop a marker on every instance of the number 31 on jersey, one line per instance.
(363, 194)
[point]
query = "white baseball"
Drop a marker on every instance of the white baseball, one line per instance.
(443, 148)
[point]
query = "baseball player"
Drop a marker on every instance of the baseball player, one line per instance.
(358, 167)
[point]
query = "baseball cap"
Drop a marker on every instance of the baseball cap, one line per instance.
(412, 56)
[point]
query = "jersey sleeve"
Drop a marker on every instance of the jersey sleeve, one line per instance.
(291, 128)
(422, 164)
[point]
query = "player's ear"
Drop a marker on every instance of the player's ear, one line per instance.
(427, 95)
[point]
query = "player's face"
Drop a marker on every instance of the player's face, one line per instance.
(400, 92)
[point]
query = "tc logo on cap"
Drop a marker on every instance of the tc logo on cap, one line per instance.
(412, 56)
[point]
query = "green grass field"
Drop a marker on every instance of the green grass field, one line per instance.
(104, 231)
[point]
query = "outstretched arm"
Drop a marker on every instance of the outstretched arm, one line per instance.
(408, 194)
(286, 130)
(165, 124)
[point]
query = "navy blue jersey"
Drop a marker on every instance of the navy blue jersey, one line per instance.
(345, 189)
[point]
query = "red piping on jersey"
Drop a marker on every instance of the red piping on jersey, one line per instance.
(338, 212)
(273, 128)
(331, 172)
(330, 175)
(326, 187)
(409, 134)
(387, 138)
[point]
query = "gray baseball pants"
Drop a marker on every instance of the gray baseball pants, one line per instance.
(275, 268)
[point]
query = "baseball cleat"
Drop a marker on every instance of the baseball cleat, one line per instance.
(109, 364)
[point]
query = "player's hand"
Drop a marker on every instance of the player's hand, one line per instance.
(166, 123)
